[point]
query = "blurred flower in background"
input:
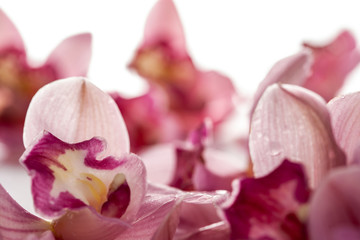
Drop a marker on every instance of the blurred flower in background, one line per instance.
(20, 79)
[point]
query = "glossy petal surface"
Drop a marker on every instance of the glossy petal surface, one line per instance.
(292, 122)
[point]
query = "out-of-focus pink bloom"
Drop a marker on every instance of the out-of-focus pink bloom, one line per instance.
(19, 80)
(293, 122)
(335, 206)
(147, 119)
(332, 63)
(319, 69)
(162, 59)
(271, 207)
(86, 192)
(193, 164)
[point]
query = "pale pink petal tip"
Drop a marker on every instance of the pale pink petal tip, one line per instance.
(335, 206)
(72, 56)
(74, 110)
(164, 26)
(345, 114)
(17, 223)
(270, 207)
(292, 122)
(9, 35)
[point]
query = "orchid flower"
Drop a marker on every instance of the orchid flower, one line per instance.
(193, 164)
(162, 59)
(19, 79)
(270, 207)
(293, 122)
(85, 191)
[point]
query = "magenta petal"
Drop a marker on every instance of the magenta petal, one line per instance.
(163, 25)
(87, 224)
(72, 56)
(345, 114)
(332, 64)
(292, 122)
(268, 207)
(335, 206)
(293, 70)
(75, 110)
(9, 35)
(17, 223)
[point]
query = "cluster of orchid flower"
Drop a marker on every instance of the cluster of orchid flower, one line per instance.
(295, 179)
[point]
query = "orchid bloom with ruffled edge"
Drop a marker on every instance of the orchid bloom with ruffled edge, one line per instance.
(194, 165)
(85, 191)
(19, 80)
(162, 59)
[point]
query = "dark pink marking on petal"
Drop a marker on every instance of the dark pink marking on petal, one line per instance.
(44, 154)
(332, 64)
(267, 207)
(16, 222)
(117, 202)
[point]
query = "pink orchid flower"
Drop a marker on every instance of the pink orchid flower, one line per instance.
(162, 59)
(19, 80)
(194, 164)
(85, 191)
(270, 207)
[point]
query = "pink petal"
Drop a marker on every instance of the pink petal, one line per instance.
(335, 206)
(158, 216)
(268, 207)
(147, 119)
(9, 35)
(17, 223)
(332, 64)
(72, 56)
(85, 223)
(294, 123)
(345, 113)
(217, 92)
(293, 70)
(75, 110)
(163, 25)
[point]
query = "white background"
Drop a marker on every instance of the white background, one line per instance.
(241, 39)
